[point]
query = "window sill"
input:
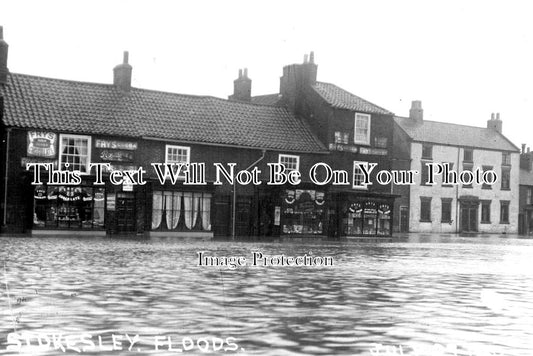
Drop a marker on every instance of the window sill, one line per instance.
(484, 222)
(447, 186)
(486, 188)
(506, 189)
(467, 187)
(445, 221)
(504, 222)
(425, 221)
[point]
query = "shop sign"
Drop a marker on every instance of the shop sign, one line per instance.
(26, 160)
(373, 151)
(342, 147)
(116, 145)
(42, 144)
(111, 155)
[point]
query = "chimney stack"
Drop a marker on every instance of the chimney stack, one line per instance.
(122, 74)
(242, 87)
(523, 148)
(495, 123)
(3, 57)
(416, 112)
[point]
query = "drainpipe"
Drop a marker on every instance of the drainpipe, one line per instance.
(457, 196)
(8, 130)
(233, 213)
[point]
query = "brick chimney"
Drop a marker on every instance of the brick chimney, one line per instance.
(296, 78)
(416, 112)
(242, 87)
(495, 123)
(3, 58)
(122, 74)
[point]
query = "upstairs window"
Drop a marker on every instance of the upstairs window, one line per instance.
(506, 178)
(427, 152)
(178, 154)
(291, 163)
(362, 129)
(358, 175)
(468, 155)
(506, 159)
(75, 153)
(487, 186)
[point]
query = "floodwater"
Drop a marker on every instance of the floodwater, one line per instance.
(427, 295)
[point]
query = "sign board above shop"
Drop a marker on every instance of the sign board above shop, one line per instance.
(41, 144)
(354, 149)
(116, 145)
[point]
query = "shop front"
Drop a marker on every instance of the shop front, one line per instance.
(363, 214)
(303, 212)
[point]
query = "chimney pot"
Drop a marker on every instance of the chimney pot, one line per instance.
(492, 116)
(497, 116)
(416, 112)
(312, 57)
(3, 57)
(122, 74)
(305, 58)
(246, 72)
(523, 148)
(240, 73)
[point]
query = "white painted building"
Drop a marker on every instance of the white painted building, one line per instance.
(454, 208)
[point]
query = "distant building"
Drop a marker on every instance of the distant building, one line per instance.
(525, 217)
(450, 208)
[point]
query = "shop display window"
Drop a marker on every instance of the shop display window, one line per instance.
(68, 207)
(367, 218)
(303, 212)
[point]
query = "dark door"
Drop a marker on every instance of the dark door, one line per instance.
(243, 216)
(222, 213)
(125, 212)
(468, 218)
(404, 219)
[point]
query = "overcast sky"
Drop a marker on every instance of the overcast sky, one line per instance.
(463, 59)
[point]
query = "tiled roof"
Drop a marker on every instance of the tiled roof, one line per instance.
(79, 107)
(342, 99)
(268, 99)
(454, 134)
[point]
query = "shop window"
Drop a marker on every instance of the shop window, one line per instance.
(485, 211)
(75, 153)
(504, 211)
(446, 210)
(367, 218)
(362, 129)
(291, 163)
(181, 211)
(425, 209)
(468, 155)
(67, 207)
(506, 178)
(427, 151)
(358, 175)
(303, 212)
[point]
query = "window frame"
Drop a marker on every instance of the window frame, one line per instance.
(506, 171)
(89, 151)
(186, 148)
(449, 202)
(507, 204)
(425, 200)
(354, 186)
(471, 160)
(292, 157)
(430, 147)
(367, 140)
(484, 203)
(506, 158)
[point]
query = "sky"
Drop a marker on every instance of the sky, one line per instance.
(463, 59)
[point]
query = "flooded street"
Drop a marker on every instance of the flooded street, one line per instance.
(429, 295)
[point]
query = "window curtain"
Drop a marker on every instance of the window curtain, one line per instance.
(187, 200)
(176, 210)
(168, 209)
(157, 210)
(196, 207)
(206, 212)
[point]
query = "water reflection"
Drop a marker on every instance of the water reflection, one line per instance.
(447, 290)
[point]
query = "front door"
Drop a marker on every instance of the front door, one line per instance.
(468, 218)
(125, 212)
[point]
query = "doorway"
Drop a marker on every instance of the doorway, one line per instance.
(125, 213)
(469, 217)
(404, 219)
